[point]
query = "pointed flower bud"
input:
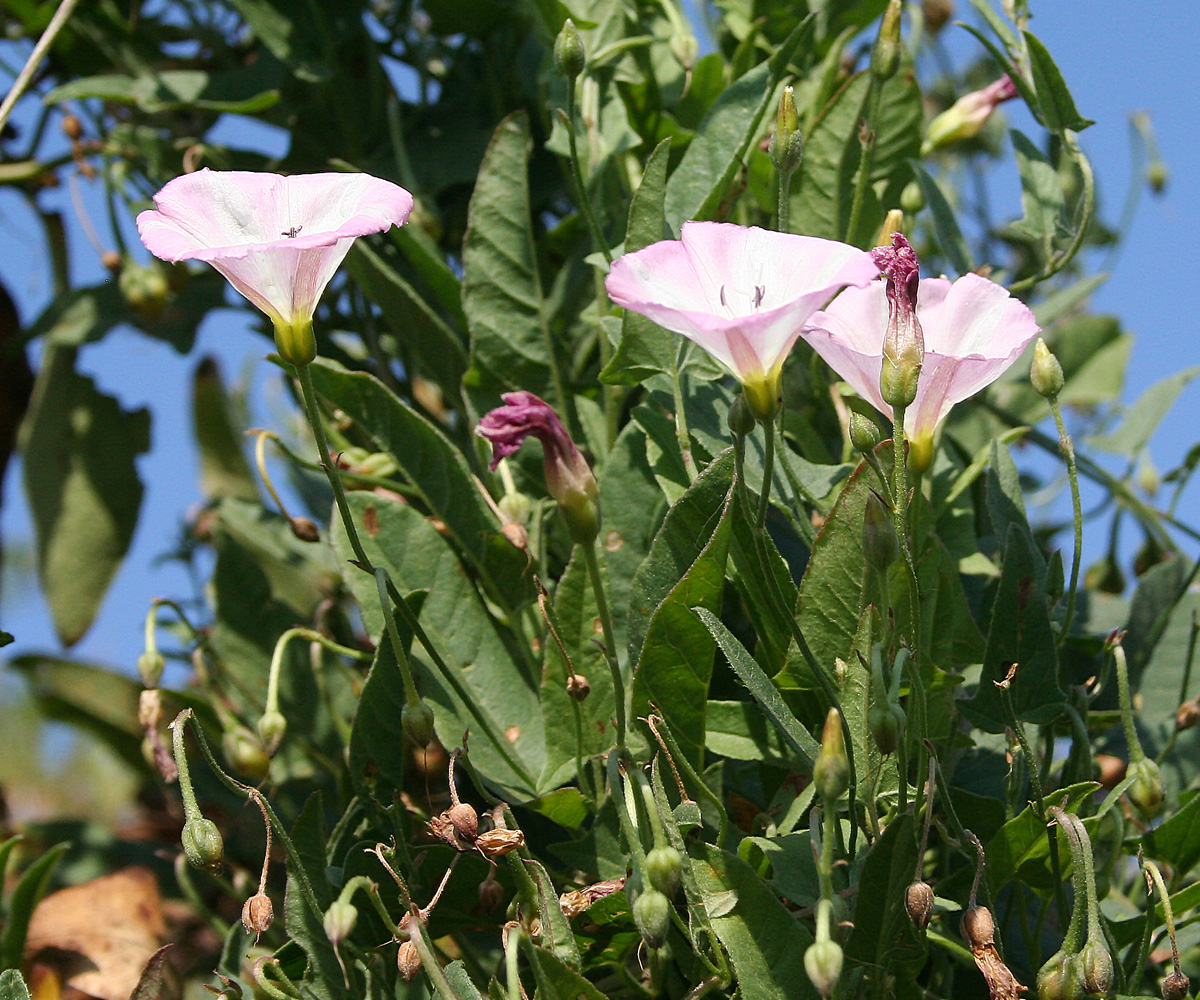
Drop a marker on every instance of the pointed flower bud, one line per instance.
(967, 115)
(823, 958)
(568, 477)
(1045, 374)
(831, 772)
(740, 420)
(885, 54)
(1147, 791)
(202, 844)
(652, 917)
(339, 921)
(271, 729)
(569, 56)
(664, 868)
(150, 667)
(864, 433)
(903, 341)
(1095, 968)
(880, 544)
(416, 719)
(787, 143)
(1058, 979)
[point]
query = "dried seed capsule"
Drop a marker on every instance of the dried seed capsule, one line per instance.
(257, 914)
(918, 901)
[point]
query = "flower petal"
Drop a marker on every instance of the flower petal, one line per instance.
(212, 214)
(741, 293)
(284, 282)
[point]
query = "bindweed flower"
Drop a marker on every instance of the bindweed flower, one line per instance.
(966, 116)
(741, 293)
(568, 477)
(278, 240)
(972, 331)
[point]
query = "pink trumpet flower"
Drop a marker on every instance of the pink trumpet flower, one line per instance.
(973, 330)
(278, 240)
(741, 293)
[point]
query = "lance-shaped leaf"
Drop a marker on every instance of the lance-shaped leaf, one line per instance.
(502, 290)
(83, 489)
(685, 569)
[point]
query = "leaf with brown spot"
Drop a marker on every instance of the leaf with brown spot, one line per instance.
(100, 935)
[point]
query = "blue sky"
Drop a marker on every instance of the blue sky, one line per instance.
(1117, 58)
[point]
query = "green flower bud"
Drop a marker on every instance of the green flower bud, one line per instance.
(823, 963)
(912, 198)
(686, 49)
(516, 507)
(1147, 791)
(740, 420)
(831, 772)
(885, 54)
(245, 753)
(864, 433)
(569, 56)
(202, 844)
(880, 545)
(1095, 967)
(339, 921)
(1156, 176)
(787, 142)
(271, 728)
(886, 723)
(150, 667)
(417, 722)
(652, 916)
(144, 288)
(1045, 373)
(664, 868)
(1058, 979)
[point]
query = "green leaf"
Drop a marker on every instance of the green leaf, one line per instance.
(91, 698)
(1021, 850)
(739, 730)
(501, 288)
(169, 90)
(456, 974)
(12, 986)
(153, 983)
(1126, 932)
(323, 977)
(685, 569)
(558, 981)
(945, 226)
(433, 466)
(822, 195)
(83, 489)
(883, 935)
(773, 632)
(1177, 839)
(30, 888)
(726, 135)
(765, 944)
(224, 471)
(1141, 420)
(1019, 634)
(761, 688)
(1053, 97)
(490, 689)
(645, 347)
(436, 347)
(1042, 198)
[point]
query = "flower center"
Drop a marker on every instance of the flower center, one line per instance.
(736, 296)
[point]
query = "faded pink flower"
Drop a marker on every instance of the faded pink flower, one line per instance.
(568, 476)
(741, 293)
(973, 330)
(966, 116)
(278, 240)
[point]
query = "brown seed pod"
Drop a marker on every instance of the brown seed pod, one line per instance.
(458, 826)
(496, 843)
(1176, 986)
(305, 529)
(978, 927)
(578, 687)
(918, 901)
(257, 914)
(408, 961)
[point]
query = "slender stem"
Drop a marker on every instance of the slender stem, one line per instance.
(1067, 447)
(389, 621)
(272, 704)
(585, 204)
(764, 497)
(1131, 737)
(1153, 874)
(429, 962)
(335, 481)
(862, 179)
(191, 808)
(65, 9)
(610, 642)
(681, 423)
